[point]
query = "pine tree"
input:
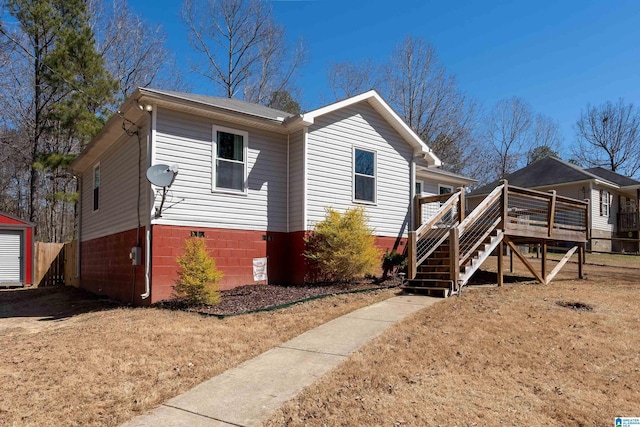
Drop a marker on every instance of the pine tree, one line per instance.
(69, 85)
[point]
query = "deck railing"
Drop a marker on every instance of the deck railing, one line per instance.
(430, 235)
(533, 213)
(515, 211)
(628, 221)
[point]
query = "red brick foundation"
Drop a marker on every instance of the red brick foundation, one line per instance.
(233, 250)
(105, 267)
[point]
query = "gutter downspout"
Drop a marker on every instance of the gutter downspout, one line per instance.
(147, 229)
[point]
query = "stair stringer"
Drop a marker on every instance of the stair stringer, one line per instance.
(480, 258)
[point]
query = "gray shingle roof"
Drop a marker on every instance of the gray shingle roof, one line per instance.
(544, 172)
(621, 180)
(235, 105)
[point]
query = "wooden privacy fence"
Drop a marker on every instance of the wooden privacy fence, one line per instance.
(56, 264)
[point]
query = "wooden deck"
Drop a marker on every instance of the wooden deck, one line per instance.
(508, 215)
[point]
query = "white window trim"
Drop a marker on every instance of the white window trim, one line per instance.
(214, 158)
(375, 176)
(93, 188)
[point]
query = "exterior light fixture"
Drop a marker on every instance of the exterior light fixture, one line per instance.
(145, 107)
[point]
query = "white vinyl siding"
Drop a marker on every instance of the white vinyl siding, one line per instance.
(118, 189)
(602, 222)
(187, 140)
(330, 173)
(296, 182)
(10, 256)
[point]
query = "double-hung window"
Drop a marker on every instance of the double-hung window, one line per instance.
(605, 203)
(96, 187)
(229, 160)
(364, 171)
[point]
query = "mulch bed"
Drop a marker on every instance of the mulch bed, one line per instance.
(250, 298)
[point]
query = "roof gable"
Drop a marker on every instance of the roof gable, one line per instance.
(375, 100)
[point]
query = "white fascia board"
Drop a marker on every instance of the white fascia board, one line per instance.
(435, 174)
(380, 105)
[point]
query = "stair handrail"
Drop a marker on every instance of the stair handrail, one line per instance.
(479, 210)
(478, 213)
(442, 211)
(424, 232)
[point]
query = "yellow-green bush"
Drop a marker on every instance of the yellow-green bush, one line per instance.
(198, 277)
(342, 247)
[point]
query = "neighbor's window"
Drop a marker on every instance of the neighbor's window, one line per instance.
(364, 168)
(229, 159)
(605, 203)
(96, 187)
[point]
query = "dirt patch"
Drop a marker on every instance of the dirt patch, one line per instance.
(35, 309)
(579, 306)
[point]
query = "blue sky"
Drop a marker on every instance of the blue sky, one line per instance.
(557, 55)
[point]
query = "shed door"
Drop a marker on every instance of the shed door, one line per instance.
(10, 256)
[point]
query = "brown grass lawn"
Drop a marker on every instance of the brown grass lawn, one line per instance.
(496, 356)
(104, 367)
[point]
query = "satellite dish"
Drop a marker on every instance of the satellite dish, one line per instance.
(162, 175)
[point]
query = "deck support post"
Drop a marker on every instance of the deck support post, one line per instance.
(454, 255)
(412, 268)
(417, 212)
(500, 266)
(543, 260)
(461, 204)
(505, 203)
(581, 260)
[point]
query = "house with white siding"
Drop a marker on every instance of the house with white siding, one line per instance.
(613, 198)
(251, 180)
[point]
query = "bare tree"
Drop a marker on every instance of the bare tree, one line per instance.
(507, 134)
(423, 93)
(546, 139)
(134, 49)
(347, 79)
(427, 98)
(608, 135)
(245, 52)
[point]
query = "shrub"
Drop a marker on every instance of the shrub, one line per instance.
(198, 277)
(393, 261)
(342, 247)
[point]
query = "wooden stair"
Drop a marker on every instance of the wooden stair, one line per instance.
(434, 275)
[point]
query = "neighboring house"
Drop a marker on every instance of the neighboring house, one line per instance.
(252, 181)
(16, 251)
(613, 198)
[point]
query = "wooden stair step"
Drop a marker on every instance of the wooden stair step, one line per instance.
(428, 290)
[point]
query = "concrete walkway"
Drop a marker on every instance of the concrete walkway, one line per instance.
(248, 394)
